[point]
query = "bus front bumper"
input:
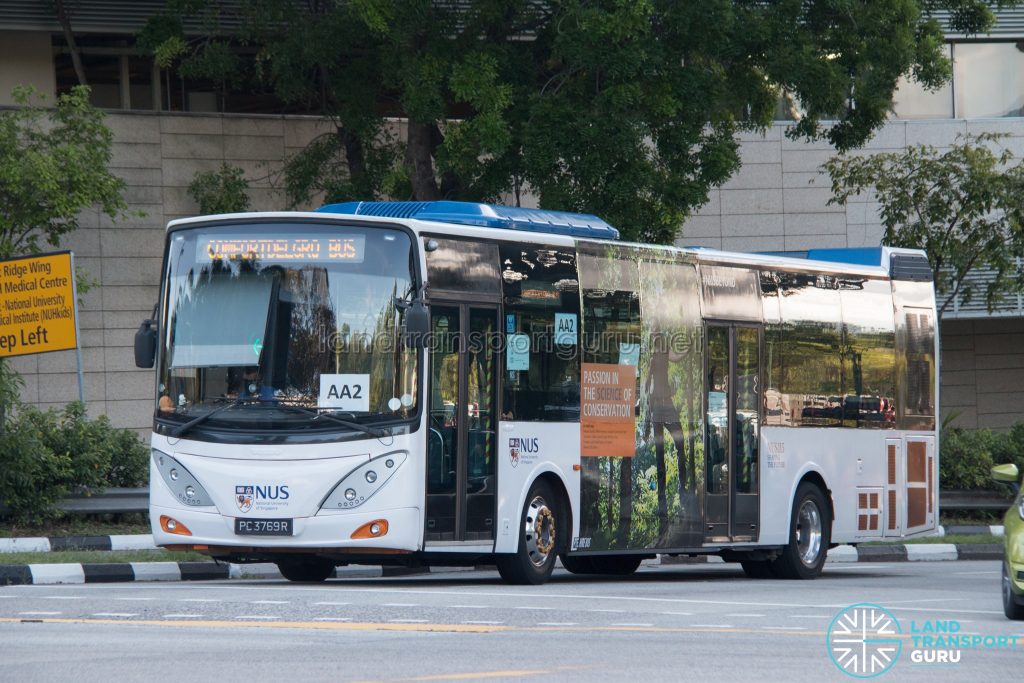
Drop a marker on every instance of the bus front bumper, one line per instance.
(325, 531)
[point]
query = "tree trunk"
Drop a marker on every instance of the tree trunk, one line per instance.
(355, 158)
(420, 160)
(69, 36)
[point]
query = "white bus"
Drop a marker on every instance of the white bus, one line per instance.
(447, 383)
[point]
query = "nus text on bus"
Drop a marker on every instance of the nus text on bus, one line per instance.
(444, 383)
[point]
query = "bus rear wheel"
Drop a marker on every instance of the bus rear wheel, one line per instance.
(810, 532)
(614, 565)
(307, 569)
(541, 528)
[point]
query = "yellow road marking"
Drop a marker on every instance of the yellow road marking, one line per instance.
(450, 628)
(315, 625)
(469, 676)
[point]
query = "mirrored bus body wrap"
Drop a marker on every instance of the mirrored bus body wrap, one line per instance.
(448, 383)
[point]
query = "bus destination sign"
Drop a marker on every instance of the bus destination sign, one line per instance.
(274, 249)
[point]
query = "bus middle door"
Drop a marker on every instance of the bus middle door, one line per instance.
(732, 432)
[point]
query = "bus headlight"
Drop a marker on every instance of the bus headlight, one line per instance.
(180, 481)
(359, 485)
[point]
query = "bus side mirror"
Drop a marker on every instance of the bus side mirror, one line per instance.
(145, 344)
(417, 325)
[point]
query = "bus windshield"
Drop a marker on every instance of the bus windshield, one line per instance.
(271, 318)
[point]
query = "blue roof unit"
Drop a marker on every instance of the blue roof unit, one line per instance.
(484, 215)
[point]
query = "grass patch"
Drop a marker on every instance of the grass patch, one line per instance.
(101, 557)
(959, 539)
(94, 525)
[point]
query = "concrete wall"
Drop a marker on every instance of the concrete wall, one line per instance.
(26, 58)
(983, 372)
(777, 201)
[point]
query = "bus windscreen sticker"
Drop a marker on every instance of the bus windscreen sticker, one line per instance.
(517, 354)
(345, 392)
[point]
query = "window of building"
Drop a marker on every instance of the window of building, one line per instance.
(913, 101)
(989, 79)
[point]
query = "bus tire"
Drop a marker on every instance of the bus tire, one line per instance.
(810, 532)
(307, 569)
(758, 569)
(541, 530)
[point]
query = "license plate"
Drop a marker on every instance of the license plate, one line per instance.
(263, 527)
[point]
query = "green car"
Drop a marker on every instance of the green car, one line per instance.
(1013, 538)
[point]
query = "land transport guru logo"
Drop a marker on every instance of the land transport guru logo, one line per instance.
(865, 640)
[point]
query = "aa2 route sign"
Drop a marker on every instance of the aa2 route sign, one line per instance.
(37, 304)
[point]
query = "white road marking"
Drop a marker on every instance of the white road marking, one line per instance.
(255, 616)
(198, 600)
(332, 619)
(901, 602)
(469, 606)
(631, 623)
(484, 623)
(711, 625)
(399, 604)
(183, 616)
(115, 614)
(745, 615)
(608, 611)
(136, 599)
(39, 614)
(531, 608)
(407, 621)
(557, 623)
(679, 614)
(63, 597)
(331, 603)
(2, 597)
(270, 602)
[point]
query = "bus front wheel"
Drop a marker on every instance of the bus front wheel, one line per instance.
(810, 532)
(541, 529)
(307, 569)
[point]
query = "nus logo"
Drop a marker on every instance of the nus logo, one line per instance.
(518, 445)
(247, 495)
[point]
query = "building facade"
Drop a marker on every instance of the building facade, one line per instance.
(166, 130)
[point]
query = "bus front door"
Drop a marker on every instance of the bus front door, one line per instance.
(732, 433)
(461, 438)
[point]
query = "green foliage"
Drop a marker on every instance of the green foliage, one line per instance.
(33, 479)
(44, 455)
(53, 164)
(222, 191)
(630, 110)
(968, 455)
(962, 206)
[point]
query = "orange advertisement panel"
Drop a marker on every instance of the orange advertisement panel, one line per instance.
(607, 419)
(37, 304)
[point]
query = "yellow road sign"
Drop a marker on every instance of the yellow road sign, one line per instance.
(37, 304)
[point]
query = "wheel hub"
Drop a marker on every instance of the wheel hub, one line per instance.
(808, 533)
(539, 531)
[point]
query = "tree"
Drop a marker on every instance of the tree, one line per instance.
(53, 165)
(961, 206)
(626, 109)
(221, 191)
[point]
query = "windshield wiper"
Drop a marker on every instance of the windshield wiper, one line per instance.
(182, 428)
(378, 433)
